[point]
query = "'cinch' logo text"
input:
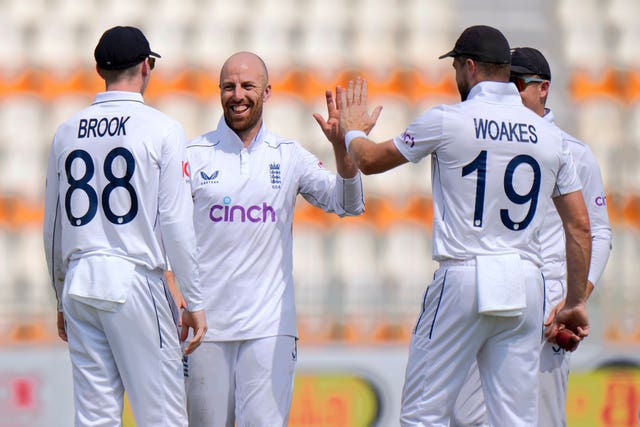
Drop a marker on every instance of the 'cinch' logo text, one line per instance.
(238, 213)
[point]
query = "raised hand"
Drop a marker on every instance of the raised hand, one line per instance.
(331, 126)
(352, 106)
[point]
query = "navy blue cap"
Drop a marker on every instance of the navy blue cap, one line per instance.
(527, 60)
(483, 44)
(122, 47)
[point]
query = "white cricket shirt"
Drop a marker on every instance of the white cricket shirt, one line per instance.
(495, 167)
(243, 209)
(116, 191)
(552, 234)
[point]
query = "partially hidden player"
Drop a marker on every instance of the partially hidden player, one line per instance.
(117, 206)
(496, 166)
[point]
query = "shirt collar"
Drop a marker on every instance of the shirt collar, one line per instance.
(498, 92)
(117, 95)
(230, 135)
(548, 116)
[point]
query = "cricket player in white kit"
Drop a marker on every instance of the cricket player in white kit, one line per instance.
(531, 74)
(495, 167)
(244, 182)
(117, 205)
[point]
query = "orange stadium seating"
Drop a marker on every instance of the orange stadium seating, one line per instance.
(313, 48)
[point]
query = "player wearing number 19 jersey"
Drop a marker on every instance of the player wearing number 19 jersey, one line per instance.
(495, 167)
(531, 74)
(116, 206)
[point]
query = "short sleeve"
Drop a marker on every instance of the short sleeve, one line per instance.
(567, 180)
(423, 136)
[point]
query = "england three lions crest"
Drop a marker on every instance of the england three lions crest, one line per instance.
(274, 175)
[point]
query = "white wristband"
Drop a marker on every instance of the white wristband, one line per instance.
(352, 134)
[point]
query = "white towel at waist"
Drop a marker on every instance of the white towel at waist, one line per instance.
(501, 285)
(103, 282)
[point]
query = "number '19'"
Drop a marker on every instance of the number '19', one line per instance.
(479, 164)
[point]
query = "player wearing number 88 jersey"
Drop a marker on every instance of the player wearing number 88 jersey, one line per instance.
(117, 206)
(495, 168)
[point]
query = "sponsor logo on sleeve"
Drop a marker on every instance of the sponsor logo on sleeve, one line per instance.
(408, 139)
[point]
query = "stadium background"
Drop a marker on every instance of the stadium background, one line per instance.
(358, 281)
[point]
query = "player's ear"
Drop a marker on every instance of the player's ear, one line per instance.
(544, 88)
(471, 66)
(145, 68)
(99, 71)
(267, 93)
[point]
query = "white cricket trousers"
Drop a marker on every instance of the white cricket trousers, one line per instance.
(245, 383)
(136, 348)
(554, 366)
(470, 410)
(450, 335)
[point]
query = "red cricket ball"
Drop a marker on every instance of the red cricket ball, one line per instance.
(564, 341)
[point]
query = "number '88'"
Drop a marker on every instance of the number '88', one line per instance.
(82, 184)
